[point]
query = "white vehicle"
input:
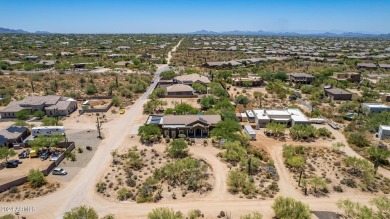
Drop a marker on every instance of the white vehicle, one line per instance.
(59, 171)
(47, 130)
(248, 129)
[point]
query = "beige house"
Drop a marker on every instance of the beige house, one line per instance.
(49, 104)
(192, 126)
(179, 90)
(192, 78)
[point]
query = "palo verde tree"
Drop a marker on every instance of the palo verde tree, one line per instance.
(378, 156)
(178, 148)
(165, 213)
(149, 132)
(289, 208)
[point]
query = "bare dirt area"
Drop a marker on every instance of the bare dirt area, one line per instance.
(82, 139)
(9, 174)
(22, 192)
(172, 102)
(99, 103)
(133, 168)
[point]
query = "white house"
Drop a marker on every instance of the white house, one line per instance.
(290, 116)
(375, 107)
(384, 132)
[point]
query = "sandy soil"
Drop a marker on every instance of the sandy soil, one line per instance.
(172, 102)
(81, 190)
(8, 174)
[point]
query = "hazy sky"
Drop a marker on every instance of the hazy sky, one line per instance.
(174, 16)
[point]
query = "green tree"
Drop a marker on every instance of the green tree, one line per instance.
(39, 114)
(91, 89)
(23, 114)
(207, 101)
(199, 87)
(83, 212)
(241, 99)
(355, 209)
(7, 216)
(149, 132)
(289, 208)
(159, 92)
(167, 75)
(116, 101)
(165, 213)
(6, 153)
(50, 121)
(281, 76)
(178, 148)
(226, 129)
(276, 129)
(358, 139)
(378, 156)
(318, 183)
(36, 178)
(236, 180)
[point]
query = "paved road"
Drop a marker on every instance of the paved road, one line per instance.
(81, 189)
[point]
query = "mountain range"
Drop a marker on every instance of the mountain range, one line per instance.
(267, 33)
(6, 30)
(244, 33)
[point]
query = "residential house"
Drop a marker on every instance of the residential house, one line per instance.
(385, 66)
(47, 63)
(192, 126)
(338, 94)
(366, 65)
(188, 79)
(289, 117)
(375, 107)
(384, 132)
(13, 135)
(53, 105)
(301, 78)
(179, 90)
(248, 81)
(352, 77)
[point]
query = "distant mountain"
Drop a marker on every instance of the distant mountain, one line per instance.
(266, 33)
(6, 30)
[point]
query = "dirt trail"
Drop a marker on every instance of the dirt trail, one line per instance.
(81, 190)
(219, 169)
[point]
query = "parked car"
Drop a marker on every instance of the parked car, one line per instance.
(24, 154)
(122, 111)
(54, 157)
(59, 171)
(16, 161)
(12, 164)
(44, 156)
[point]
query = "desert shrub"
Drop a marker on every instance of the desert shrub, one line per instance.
(286, 207)
(36, 178)
(165, 213)
(187, 173)
(177, 148)
(358, 139)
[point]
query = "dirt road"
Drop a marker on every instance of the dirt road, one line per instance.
(81, 190)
